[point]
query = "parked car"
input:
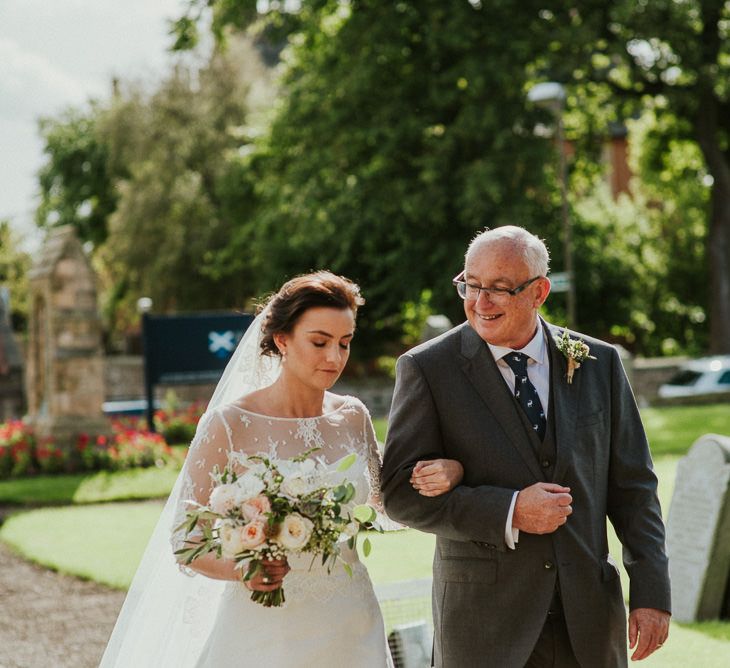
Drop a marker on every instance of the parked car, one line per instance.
(705, 375)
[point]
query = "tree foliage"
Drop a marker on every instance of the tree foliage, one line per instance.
(14, 266)
(163, 162)
(355, 78)
(387, 152)
(401, 129)
(672, 58)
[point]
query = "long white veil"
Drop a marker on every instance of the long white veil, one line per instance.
(168, 613)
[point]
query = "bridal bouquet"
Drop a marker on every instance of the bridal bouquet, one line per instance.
(262, 508)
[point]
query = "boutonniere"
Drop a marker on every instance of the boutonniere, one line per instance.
(575, 352)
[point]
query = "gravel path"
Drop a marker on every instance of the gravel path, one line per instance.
(48, 619)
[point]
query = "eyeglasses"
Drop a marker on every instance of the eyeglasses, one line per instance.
(496, 295)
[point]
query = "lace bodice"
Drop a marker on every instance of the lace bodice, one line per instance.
(345, 430)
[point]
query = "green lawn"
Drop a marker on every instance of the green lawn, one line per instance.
(673, 429)
(89, 487)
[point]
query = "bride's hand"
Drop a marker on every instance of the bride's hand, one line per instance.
(269, 577)
(436, 476)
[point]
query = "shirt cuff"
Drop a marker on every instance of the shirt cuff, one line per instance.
(511, 535)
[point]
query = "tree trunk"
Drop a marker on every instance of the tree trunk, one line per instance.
(718, 239)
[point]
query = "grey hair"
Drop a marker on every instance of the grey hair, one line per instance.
(532, 248)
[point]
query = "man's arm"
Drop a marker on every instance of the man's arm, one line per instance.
(476, 514)
(633, 505)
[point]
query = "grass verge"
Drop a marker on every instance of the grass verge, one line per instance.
(96, 487)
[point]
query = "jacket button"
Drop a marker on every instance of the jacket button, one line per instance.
(548, 565)
(545, 463)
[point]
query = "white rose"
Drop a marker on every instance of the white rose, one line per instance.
(295, 532)
(232, 539)
(223, 499)
(295, 485)
(249, 486)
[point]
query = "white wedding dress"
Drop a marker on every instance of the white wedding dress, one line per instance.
(329, 619)
(175, 618)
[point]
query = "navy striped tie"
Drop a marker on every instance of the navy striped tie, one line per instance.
(526, 393)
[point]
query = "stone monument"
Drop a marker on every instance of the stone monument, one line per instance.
(698, 531)
(64, 379)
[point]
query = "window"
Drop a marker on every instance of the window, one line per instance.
(685, 378)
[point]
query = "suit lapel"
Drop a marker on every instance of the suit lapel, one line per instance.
(564, 401)
(481, 369)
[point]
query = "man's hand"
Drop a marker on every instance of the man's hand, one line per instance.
(436, 476)
(650, 627)
(542, 508)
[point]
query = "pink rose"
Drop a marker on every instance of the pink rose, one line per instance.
(252, 535)
(256, 508)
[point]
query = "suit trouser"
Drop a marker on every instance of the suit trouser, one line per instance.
(553, 648)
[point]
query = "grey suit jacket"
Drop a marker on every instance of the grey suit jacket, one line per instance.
(490, 603)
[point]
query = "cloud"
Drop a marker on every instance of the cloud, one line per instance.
(30, 84)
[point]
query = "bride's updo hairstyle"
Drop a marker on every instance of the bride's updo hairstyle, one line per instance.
(319, 289)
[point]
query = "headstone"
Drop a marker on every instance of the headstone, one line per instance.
(64, 379)
(698, 531)
(410, 645)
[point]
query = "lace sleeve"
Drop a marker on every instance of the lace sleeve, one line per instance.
(209, 448)
(375, 461)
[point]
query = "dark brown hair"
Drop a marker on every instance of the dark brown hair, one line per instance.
(318, 289)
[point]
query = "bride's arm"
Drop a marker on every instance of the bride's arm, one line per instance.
(436, 476)
(209, 449)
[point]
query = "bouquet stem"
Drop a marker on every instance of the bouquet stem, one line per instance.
(269, 599)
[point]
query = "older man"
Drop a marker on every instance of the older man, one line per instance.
(522, 574)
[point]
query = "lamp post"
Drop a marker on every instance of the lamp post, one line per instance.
(551, 95)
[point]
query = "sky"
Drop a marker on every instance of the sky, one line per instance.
(60, 53)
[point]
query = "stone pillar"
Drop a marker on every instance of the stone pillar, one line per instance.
(64, 379)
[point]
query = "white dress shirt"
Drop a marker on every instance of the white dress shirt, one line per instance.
(538, 371)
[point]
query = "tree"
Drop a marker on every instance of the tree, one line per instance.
(75, 182)
(14, 266)
(162, 162)
(673, 57)
(388, 152)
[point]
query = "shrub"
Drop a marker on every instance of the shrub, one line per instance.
(21, 453)
(177, 425)
(16, 449)
(50, 458)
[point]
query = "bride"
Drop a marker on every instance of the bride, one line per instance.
(273, 398)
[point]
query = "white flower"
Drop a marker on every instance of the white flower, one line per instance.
(295, 486)
(223, 499)
(249, 485)
(301, 478)
(232, 539)
(294, 532)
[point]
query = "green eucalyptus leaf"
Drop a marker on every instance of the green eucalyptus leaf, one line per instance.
(364, 513)
(347, 462)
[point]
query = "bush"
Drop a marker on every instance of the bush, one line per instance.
(22, 454)
(16, 449)
(49, 458)
(177, 425)
(126, 448)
